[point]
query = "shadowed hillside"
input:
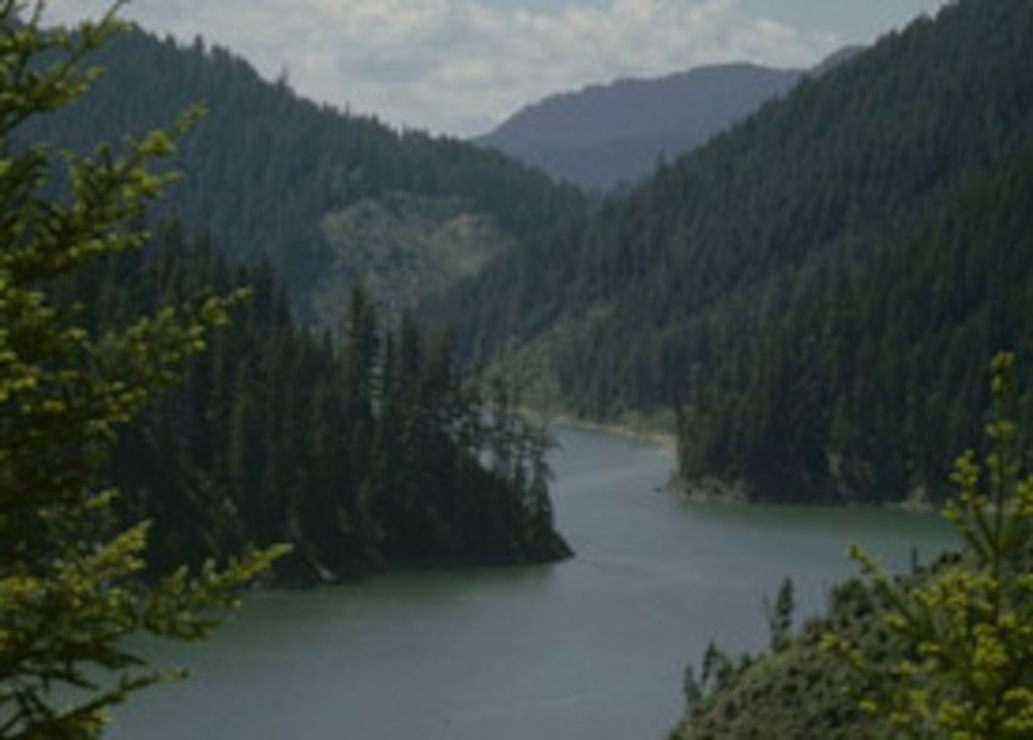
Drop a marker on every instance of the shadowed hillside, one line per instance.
(783, 290)
(607, 135)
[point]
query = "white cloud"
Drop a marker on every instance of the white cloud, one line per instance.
(460, 66)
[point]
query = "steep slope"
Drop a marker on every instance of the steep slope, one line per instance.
(265, 168)
(606, 135)
(788, 286)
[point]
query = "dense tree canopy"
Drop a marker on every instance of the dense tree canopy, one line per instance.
(268, 167)
(788, 287)
(942, 651)
(369, 453)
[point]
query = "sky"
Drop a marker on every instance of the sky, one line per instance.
(460, 67)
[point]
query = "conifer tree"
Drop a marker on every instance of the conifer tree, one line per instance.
(70, 586)
(967, 631)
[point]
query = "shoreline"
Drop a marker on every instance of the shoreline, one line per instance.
(736, 493)
(666, 442)
(713, 490)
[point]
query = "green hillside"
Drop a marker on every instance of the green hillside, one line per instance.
(265, 168)
(784, 290)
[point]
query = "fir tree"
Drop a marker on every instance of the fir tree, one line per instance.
(966, 670)
(70, 586)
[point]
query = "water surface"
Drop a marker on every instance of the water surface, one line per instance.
(594, 647)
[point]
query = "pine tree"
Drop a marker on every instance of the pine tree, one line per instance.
(70, 591)
(966, 670)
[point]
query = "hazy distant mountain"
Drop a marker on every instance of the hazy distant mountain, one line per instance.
(606, 135)
(816, 291)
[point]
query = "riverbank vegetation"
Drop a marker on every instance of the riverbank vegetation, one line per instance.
(373, 452)
(944, 651)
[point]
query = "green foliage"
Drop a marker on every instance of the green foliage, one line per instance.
(965, 669)
(70, 585)
(720, 673)
(269, 168)
(780, 616)
(367, 453)
(813, 289)
(941, 652)
(795, 692)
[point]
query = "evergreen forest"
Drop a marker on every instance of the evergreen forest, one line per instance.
(809, 299)
(322, 416)
(269, 172)
(313, 352)
(169, 435)
(368, 453)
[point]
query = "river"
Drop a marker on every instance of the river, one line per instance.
(594, 647)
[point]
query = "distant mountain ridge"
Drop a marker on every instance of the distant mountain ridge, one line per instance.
(606, 135)
(811, 298)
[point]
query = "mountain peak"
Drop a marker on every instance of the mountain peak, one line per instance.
(607, 134)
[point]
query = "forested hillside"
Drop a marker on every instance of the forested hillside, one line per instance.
(815, 292)
(266, 169)
(375, 454)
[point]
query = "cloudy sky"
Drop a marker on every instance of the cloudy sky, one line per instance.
(461, 66)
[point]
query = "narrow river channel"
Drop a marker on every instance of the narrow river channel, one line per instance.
(591, 648)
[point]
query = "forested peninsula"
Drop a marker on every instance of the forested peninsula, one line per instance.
(368, 453)
(321, 415)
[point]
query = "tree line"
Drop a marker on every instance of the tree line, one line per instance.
(785, 290)
(371, 452)
(943, 651)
